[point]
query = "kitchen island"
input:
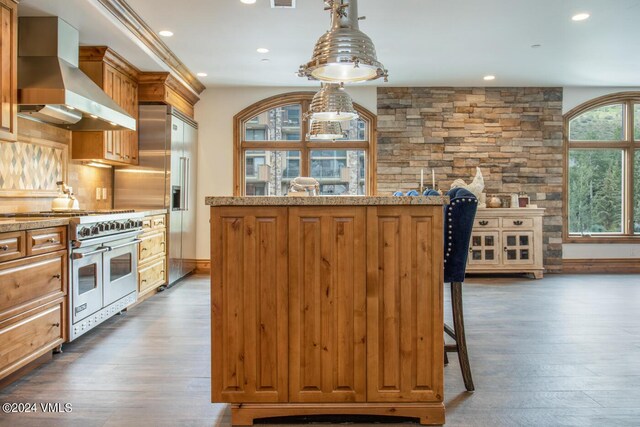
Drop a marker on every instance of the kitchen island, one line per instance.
(327, 305)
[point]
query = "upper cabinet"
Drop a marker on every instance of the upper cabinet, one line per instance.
(8, 70)
(164, 88)
(119, 80)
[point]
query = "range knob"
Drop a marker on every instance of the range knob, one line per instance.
(139, 223)
(112, 225)
(95, 230)
(102, 226)
(119, 226)
(84, 232)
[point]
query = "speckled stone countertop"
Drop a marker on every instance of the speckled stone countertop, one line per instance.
(8, 225)
(326, 201)
(19, 223)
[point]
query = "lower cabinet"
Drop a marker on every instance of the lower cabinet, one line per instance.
(314, 307)
(152, 255)
(33, 292)
(507, 240)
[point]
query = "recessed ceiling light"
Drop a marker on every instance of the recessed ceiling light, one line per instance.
(264, 60)
(202, 74)
(262, 50)
(535, 46)
(248, 1)
(580, 17)
(489, 77)
(165, 33)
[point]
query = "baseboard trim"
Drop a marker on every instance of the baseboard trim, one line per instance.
(605, 265)
(203, 266)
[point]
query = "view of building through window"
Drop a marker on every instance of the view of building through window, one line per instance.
(276, 149)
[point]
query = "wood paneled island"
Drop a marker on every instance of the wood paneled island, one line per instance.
(327, 305)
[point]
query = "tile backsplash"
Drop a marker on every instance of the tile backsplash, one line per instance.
(30, 168)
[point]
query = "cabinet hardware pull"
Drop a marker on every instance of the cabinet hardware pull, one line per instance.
(51, 240)
(484, 223)
(4, 247)
(470, 249)
(57, 276)
(143, 249)
(517, 223)
(143, 280)
(505, 249)
(56, 325)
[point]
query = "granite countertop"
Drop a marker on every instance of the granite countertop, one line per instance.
(8, 225)
(325, 201)
(149, 212)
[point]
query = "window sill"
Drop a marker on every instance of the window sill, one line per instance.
(602, 239)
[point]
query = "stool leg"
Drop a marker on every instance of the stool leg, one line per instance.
(446, 358)
(461, 341)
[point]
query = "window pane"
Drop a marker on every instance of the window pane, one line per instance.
(636, 194)
(355, 130)
(595, 191)
(278, 124)
(636, 118)
(600, 124)
(339, 171)
(269, 173)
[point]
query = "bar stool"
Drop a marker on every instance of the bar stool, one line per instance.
(458, 223)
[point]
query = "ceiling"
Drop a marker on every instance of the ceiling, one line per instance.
(421, 42)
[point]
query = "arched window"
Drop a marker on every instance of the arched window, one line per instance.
(272, 147)
(602, 164)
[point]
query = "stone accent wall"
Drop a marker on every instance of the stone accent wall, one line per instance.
(513, 134)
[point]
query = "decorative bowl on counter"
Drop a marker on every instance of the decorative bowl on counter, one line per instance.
(494, 202)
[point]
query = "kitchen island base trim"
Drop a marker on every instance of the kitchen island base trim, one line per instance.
(427, 413)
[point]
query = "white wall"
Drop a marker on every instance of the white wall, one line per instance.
(214, 114)
(572, 97)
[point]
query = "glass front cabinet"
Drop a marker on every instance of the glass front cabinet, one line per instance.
(507, 241)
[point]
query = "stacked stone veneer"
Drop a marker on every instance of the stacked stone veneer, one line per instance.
(513, 134)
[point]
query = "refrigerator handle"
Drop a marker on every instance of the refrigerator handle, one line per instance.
(188, 183)
(183, 182)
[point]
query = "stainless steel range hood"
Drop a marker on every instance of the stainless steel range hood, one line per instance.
(51, 87)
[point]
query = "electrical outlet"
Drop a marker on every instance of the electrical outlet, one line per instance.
(104, 193)
(98, 193)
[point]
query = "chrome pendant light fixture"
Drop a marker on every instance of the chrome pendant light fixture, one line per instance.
(325, 131)
(344, 53)
(332, 103)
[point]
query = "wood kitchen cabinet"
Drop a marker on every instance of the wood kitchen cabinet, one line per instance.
(8, 70)
(119, 80)
(33, 306)
(327, 310)
(152, 256)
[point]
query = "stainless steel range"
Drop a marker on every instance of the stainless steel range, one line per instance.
(103, 266)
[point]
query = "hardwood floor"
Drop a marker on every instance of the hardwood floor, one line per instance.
(562, 351)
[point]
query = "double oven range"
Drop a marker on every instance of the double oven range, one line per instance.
(103, 267)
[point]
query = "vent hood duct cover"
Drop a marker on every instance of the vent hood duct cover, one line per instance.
(51, 87)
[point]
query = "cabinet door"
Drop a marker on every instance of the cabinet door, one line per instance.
(109, 143)
(404, 304)
(327, 327)
(517, 248)
(484, 248)
(8, 72)
(249, 305)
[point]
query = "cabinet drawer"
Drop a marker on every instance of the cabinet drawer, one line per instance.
(12, 246)
(153, 222)
(26, 280)
(517, 222)
(480, 223)
(151, 245)
(46, 240)
(152, 275)
(29, 338)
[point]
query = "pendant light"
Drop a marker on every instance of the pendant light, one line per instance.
(344, 53)
(325, 130)
(332, 103)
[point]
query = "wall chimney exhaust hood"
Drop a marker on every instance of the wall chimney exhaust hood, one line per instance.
(51, 87)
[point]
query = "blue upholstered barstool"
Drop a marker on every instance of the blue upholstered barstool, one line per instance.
(458, 223)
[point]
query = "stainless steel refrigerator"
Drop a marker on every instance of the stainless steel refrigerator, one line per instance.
(165, 178)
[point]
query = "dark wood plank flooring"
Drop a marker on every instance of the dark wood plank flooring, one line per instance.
(562, 351)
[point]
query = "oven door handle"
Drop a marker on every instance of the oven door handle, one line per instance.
(80, 255)
(133, 242)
